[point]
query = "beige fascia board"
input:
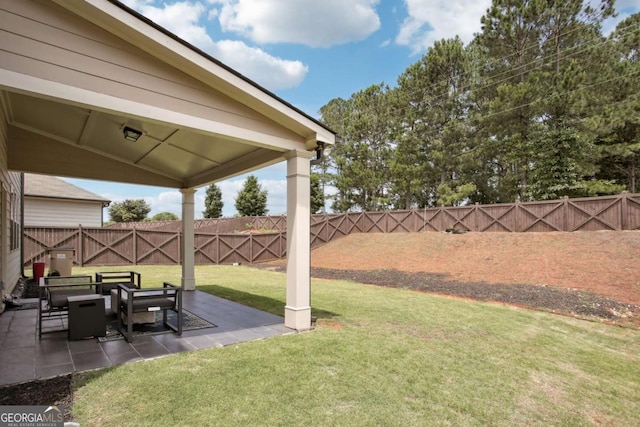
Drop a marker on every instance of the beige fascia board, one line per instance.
(128, 27)
(257, 159)
(59, 92)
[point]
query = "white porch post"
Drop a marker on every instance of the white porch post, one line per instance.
(297, 311)
(188, 240)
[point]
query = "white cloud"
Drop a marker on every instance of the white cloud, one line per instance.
(429, 21)
(166, 201)
(183, 19)
(229, 191)
(277, 197)
(625, 9)
(269, 71)
(309, 22)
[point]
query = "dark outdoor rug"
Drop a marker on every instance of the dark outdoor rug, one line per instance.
(18, 304)
(189, 322)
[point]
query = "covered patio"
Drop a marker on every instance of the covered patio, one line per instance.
(27, 358)
(91, 89)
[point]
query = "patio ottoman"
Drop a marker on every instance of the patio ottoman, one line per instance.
(144, 317)
(86, 316)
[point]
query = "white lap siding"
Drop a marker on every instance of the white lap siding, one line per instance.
(10, 212)
(44, 212)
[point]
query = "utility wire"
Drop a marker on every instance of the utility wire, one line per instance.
(552, 56)
(429, 135)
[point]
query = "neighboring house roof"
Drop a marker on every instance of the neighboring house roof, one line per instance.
(56, 188)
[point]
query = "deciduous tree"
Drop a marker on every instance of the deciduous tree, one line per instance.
(129, 210)
(165, 216)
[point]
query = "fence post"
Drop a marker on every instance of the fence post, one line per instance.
(80, 255)
(623, 211)
(218, 249)
(476, 208)
(519, 224)
(565, 214)
(135, 246)
(251, 243)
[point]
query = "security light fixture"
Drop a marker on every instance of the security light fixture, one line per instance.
(322, 151)
(131, 134)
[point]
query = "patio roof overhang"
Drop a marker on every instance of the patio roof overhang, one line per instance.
(75, 73)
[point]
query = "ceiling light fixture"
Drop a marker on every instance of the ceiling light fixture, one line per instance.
(131, 134)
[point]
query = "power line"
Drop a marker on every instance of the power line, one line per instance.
(428, 135)
(504, 58)
(552, 56)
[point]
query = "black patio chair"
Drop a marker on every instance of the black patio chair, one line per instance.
(53, 294)
(111, 279)
(131, 301)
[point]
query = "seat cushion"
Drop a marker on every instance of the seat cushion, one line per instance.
(143, 304)
(59, 296)
(108, 286)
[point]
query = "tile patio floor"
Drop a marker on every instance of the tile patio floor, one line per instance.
(25, 357)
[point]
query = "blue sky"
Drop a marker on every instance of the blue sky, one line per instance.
(307, 52)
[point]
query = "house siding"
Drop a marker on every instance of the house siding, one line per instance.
(11, 193)
(42, 212)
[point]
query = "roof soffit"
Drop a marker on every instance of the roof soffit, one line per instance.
(115, 19)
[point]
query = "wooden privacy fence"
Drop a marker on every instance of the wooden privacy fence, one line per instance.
(105, 246)
(259, 239)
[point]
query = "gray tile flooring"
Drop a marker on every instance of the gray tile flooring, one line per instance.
(25, 357)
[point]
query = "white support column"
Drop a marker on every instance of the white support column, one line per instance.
(187, 244)
(297, 311)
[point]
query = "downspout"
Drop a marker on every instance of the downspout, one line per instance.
(22, 225)
(104, 206)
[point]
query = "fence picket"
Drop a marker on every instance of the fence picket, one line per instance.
(223, 241)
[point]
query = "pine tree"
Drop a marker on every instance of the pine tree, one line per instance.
(504, 92)
(540, 55)
(431, 134)
(619, 118)
(317, 195)
(213, 203)
(252, 199)
(335, 114)
(362, 158)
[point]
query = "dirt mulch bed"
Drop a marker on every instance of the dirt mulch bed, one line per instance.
(55, 391)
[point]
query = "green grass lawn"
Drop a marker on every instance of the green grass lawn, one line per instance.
(379, 356)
